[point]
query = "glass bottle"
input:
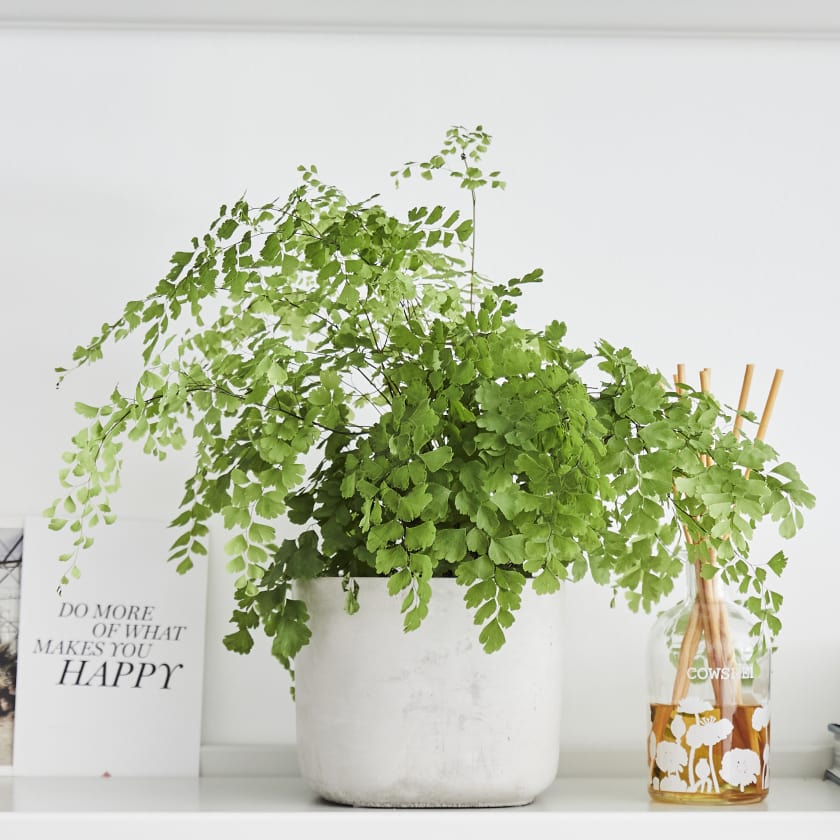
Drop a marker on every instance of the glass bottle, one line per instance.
(709, 686)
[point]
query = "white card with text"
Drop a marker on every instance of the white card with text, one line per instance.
(110, 671)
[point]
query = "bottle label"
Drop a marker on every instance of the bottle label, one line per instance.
(699, 751)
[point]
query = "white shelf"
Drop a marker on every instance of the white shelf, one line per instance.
(216, 807)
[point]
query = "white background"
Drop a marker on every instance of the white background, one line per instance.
(682, 195)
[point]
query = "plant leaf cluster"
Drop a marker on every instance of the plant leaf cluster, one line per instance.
(680, 475)
(450, 440)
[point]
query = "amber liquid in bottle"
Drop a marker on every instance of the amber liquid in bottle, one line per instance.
(702, 754)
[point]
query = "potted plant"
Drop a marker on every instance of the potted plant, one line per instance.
(461, 461)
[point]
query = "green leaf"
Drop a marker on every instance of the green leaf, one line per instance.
(510, 580)
(302, 559)
(348, 485)
(86, 410)
(413, 504)
(420, 536)
(506, 618)
(492, 637)
(659, 434)
(380, 535)
(388, 559)
(451, 544)
(546, 583)
(787, 528)
(348, 298)
(511, 502)
(239, 642)
(437, 458)
(786, 470)
(397, 582)
(235, 546)
(486, 611)
(276, 375)
(289, 637)
(226, 229)
(487, 519)
(505, 550)
(477, 541)
(777, 562)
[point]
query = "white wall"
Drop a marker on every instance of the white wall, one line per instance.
(682, 195)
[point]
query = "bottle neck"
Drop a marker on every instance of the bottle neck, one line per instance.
(690, 582)
(712, 586)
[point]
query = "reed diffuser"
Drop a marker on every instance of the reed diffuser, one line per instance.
(709, 666)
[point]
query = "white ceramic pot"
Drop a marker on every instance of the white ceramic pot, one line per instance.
(393, 719)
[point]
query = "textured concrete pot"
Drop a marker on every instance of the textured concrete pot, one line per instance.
(426, 719)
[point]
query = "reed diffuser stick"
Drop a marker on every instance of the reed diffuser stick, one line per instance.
(694, 630)
(768, 406)
(707, 593)
(688, 650)
(768, 409)
(742, 400)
